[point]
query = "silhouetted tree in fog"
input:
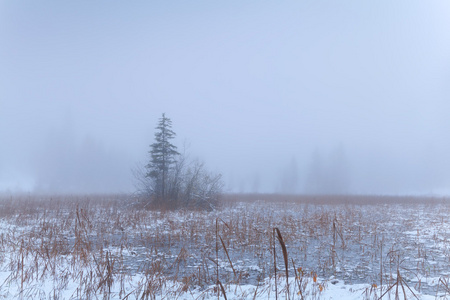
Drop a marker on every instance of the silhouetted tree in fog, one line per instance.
(289, 179)
(163, 156)
(338, 175)
(315, 175)
(170, 180)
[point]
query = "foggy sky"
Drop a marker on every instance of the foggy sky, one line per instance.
(278, 96)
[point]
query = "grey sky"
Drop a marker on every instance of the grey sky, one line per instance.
(252, 86)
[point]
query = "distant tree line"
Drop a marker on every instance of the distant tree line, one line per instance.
(328, 177)
(169, 180)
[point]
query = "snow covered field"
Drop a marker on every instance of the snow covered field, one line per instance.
(346, 247)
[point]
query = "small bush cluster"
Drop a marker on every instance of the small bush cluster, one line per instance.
(188, 185)
(170, 181)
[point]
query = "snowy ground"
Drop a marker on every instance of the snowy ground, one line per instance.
(336, 248)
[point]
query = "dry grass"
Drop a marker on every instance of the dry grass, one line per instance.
(102, 242)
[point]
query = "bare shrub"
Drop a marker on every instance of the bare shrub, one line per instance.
(189, 185)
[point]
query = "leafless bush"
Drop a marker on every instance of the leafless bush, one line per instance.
(190, 185)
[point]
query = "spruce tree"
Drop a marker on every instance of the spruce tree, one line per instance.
(163, 155)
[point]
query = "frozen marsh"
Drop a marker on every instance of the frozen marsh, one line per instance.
(334, 247)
